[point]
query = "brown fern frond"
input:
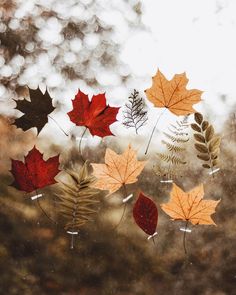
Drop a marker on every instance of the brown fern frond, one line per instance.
(170, 159)
(173, 148)
(175, 139)
(164, 173)
(78, 200)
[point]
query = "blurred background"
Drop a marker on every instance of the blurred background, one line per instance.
(114, 47)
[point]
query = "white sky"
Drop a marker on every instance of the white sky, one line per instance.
(192, 36)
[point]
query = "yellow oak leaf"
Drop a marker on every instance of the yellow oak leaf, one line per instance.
(118, 170)
(173, 94)
(190, 206)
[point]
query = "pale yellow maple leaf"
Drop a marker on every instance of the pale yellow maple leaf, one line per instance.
(190, 206)
(173, 94)
(118, 170)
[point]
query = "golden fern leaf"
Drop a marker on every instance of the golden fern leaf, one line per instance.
(176, 138)
(77, 199)
(172, 147)
(164, 172)
(174, 143)
(170, 159)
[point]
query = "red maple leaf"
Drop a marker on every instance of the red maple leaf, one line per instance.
(145, 214)
(96, 115)
(34, 172)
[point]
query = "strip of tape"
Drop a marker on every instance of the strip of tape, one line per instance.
(125, 200)
(214, 171)
(72, 232)
(152, 236)
(36, 197)
(187, 230)
(166, 181)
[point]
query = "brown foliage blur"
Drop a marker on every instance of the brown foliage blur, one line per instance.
(35, 254)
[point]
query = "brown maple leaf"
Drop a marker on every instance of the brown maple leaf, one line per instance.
(35, 111)
(118, 170)
(190, 206)
(173, 94)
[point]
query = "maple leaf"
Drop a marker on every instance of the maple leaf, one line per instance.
(145, 214)
(118, 170)
(190, 206)
(173, 94)
(35, 111)
(34, 172)
(94, 115)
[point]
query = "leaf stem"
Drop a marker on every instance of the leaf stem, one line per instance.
(184, 237)
(80, 143)
(124, 208)
(153, 130)
(58, 125)
(153, 240)
(38, 202)
(72, 242)
(43, 211)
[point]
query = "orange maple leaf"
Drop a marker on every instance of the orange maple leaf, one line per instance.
(173, 94)
(118, 170)
(190, 206)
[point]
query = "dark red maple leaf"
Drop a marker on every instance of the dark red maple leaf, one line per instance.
(145, 214)
(96, 115)
(34, 172)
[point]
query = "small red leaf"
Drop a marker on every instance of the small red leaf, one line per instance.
(96, 115)
(145, 214)
(35, 172)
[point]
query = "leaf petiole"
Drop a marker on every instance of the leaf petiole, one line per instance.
(58, 125)
(184, 237)
(80, 143)
(153, 130)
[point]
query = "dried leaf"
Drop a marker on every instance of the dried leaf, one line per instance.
(35, 172)
(145, 214)
(201, 148)
(215, 162)
(173, 94)
(78, 200)
(118, 170)
(198, 118)
(214, 144)
(35, 111)
(96, 115)
(209, 133)
(210, 143)
(195, 127)
(170, 159)
(135, 114)
(206, 166)
(205, 124)
(199, 138)
(190, 206)
(204, 157)
(172, 147)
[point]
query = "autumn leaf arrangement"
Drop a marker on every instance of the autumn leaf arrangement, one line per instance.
(80, 191)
